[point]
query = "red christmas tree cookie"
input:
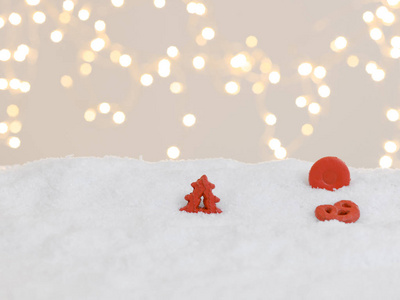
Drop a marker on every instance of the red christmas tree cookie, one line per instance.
(202, 188)
(344, 211)
(329, 173)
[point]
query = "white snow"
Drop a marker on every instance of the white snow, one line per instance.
(110, 228)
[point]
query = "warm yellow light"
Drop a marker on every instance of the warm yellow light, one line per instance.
(39, 17)
(258, 88)
(390, 147)
(389, 18)
(199, 62)
(301, 101)
(368, 17)
(239, 61)
(392, 115)
(117, 3)
(191, 7)
(5, 55)
(395, 53)
(173, 152)
(176, 87)
(114, 56)
(200, 9)
(119, 117)
(3, 128)
(90, 115)
(64, 17)
(353, 61)
(97, 44)
(32, 2)
(88, 56)
(84, 14)
(208, 33)
(66, 81)
(232, 88)
(324, 91)
(19, 56)
(15, 84)
(2, 22)
(56, 36)
(251, 41)
(15, 19)
(320, 72)
(68, 5)
(393, 3)
(159, 3)
(274, 77)
(189, 120)
(25, 87)
(125, 60)
(172, 51)
(280, 153)
(376, 34)
(385, 162)
(381, 12)
(395, 42)
(314, 108)
(371, 67)
(146, 79)
(270, 119)
(100, 25)
(15, 126)
(164, 68)
(200, 40)
(85, 69)
(305, 69)
(14, 142)
(307, 129)
(378, 75)
(12, 110)
(340, 43)
(104, 108)
(274, 144)
(266, 66)
(3, 84)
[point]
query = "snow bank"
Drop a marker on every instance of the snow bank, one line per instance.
(88, 228)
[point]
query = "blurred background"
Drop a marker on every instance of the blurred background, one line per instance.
(170, 79)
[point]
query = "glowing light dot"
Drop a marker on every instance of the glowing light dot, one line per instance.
(32, 2)
(392, 115)
(3, 84)
(15, 19)
(274, 144)
(14, 142)
(19, 56)
(15, 126)
(164, 67)
(146, 79)
(381, 12)
(368, 17)
(324, 91)
(385, 162)
(64, 17)
(176, 87)
(25, 87)
(232, 88)
(280, 153)
(389, 18)
(274, 77)
(208, 33)
(393, 3)
(159, 3)
(104, 108)
(84, 15)
(189, 120)
(395, 42)
(173, 152)
(2, 22)
(378, 75)
(85, 69)
(371, 67)
(90, 115)
(119, 117)
(117, 3)
(15, 84)
(200, 9)
(270, 119)
(390, 147)
(251, 41)
(3, 128)
(258, 88)
(88, 56)
(114, 56)
(100, 25)
(12, 110)
(305, 69)
(320, 72)
(301, 101)
(5, 55)
(314, 108)
(39, 17)
(172, 51)
(125, 60)
(353, 61)
(191, 7)
(97, 44)
(307, 129)
(376, 34)
(395, 53)
(238, 61)
(199, 62)
(66, 81)
(68, 5)
(339, 43)
(56, 36)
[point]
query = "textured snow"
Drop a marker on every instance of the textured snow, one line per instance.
(110, 228)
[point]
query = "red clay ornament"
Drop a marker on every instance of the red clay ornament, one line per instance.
(329, 173)
(202, 188)
(344, 211)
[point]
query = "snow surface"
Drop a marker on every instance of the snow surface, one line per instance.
(110, 228)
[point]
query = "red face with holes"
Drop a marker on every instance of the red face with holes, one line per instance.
(329, 173)
(344, 211)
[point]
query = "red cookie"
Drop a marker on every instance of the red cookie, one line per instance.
(344, 211)
(329, 173)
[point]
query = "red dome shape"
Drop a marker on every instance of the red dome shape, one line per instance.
(329, 173)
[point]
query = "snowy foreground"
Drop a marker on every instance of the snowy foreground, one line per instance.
(110, 228)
